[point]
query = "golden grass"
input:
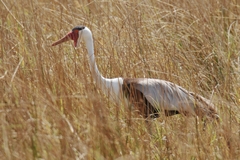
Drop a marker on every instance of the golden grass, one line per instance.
(51, 109)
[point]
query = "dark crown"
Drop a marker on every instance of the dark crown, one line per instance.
(78, 28)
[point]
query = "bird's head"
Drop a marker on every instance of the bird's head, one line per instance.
(76, 34)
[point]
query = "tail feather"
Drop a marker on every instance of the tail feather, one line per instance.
(204, 108)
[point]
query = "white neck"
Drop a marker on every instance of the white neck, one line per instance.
(110, 87)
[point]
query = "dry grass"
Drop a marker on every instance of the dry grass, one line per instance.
(50, 108)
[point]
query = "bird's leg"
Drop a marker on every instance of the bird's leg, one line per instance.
(148, 123)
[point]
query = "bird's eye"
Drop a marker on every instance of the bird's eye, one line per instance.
(75, 31)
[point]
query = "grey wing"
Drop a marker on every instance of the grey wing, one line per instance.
(162, 95)
(165, 95)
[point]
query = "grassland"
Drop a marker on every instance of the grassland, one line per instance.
(51, 109)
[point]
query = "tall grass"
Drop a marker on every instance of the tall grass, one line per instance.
(51, 109)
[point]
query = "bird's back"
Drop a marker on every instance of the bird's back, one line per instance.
(167, 96)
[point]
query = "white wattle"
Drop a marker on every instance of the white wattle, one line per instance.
(110, 87)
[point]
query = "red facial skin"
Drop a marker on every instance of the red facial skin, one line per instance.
(70, 36)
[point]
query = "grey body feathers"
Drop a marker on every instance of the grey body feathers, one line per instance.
(152, 96)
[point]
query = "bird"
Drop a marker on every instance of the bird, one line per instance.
(149, 96)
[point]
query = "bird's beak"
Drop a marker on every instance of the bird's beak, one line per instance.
(70, 36)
